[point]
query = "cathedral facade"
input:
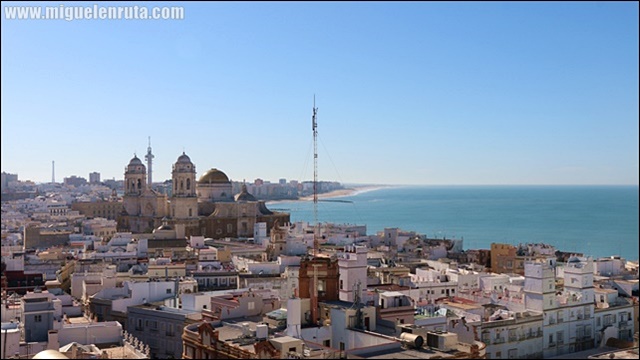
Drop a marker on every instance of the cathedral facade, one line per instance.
(205, 207)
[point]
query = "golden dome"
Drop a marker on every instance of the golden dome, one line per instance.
(214, 176)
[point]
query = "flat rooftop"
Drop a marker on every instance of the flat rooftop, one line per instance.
(401, 353)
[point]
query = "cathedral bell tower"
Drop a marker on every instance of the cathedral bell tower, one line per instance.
(184, 202)
(135, 184)
(135, 177)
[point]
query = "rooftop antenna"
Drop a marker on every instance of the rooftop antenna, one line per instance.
(314, 127)
(53, 171)
(149, 157)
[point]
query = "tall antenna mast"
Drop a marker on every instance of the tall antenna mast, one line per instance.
(314, 127)
(53, 171)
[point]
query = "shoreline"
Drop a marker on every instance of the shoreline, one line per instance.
(351, 191)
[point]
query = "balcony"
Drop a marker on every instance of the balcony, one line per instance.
(552, 321)
(552, 344)
(498, 341)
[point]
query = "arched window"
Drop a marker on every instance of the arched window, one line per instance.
(188, 184)
(181, 184)
(189, 208)
(139, 184)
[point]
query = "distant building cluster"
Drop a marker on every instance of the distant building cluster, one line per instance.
(205, 270)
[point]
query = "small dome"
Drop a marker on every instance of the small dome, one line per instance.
(183, 159)
(50, 354)
(135, 161)
(244, 195)
(213, 176)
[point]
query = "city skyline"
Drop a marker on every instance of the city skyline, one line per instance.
(408, 94)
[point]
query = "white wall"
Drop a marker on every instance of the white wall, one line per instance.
(95, 333)
(10, 339)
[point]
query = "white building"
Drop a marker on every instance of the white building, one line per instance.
(352, 266)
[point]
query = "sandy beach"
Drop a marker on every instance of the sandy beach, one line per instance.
(344, 192)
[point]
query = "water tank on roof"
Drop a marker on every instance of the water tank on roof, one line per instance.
(412, 340)
(262, 331)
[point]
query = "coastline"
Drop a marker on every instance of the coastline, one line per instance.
(350, 191)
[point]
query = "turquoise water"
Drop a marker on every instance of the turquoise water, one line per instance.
(595, 220)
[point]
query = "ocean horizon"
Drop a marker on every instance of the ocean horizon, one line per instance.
(596, 220)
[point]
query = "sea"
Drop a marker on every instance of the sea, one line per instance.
(598, 221)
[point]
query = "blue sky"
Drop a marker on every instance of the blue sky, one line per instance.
(408, 93)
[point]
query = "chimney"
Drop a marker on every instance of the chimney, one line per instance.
(53, 343)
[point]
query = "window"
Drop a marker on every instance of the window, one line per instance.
(38, 318)
(560, 316)
(190, 214)
(292, 349)
(251, 305)
(560, 337)
(598, 321)
(188, 184)
(342, 285)
(170, 330)
(139, 326)
(498, 354)
(486, 338)
(168, 291)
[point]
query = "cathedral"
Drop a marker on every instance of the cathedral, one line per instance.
(205, 207)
